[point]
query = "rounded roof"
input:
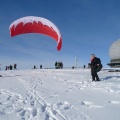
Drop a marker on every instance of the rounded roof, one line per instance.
(114, 51)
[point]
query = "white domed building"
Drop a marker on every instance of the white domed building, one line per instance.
(114, 53)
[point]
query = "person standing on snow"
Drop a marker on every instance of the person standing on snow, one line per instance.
(56, 65)
(15, 66)
(94, 68)
(40, 66)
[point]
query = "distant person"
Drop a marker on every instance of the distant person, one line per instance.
(11, 67)
(15, 66)
(61, 65)
(6, 68)
(94, 64)
(56, 65)
(34, 67)
(40, 66)
(84, 66)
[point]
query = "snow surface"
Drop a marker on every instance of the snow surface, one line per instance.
(66, 94)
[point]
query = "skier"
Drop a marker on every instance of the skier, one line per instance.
(94, 68)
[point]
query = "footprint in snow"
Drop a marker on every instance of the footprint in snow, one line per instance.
(63, 105)
(32, 103)
(9, 101)
(90, 105)
(28, 113)
(114, 102)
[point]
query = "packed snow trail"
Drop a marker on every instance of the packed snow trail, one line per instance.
(52, 112)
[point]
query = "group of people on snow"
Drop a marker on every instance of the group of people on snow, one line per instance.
(36, 67)
(95, 66)
(58, 65)
(10, 67)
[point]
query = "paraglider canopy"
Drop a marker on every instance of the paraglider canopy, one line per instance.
(32, 24)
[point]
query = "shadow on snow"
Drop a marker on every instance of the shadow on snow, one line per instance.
(110, 77)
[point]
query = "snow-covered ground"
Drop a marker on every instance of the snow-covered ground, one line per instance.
(66, 94)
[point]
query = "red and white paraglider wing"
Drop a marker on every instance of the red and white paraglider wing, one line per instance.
(33, 24)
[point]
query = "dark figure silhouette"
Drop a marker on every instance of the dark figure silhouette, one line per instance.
(61, 65)
(84, 66)
(56, 65)
(40, 66)
(11, 67)
(34, 67)
(6, 68)
(94, 68)
(15, 66)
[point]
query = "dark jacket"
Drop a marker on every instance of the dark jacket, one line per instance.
(94, 64)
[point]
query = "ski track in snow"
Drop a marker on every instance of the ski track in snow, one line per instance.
(34, 105)
(51, 112)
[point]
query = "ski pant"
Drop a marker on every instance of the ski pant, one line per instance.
(94, 75)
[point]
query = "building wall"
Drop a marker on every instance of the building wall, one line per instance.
(115, 61)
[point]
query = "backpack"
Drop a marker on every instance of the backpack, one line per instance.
(100, 65)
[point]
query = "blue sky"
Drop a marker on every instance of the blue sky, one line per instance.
(87, 26)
